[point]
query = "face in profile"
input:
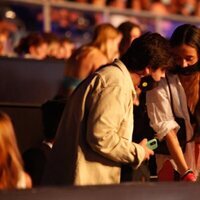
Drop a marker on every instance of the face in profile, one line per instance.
(39, 52)
(135, 33)
(157, 74)
(185, 55)
(151, 79)
(148, 78)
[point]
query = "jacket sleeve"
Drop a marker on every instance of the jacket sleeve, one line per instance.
(159, 110)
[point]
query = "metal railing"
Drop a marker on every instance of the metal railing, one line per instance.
(107, 12)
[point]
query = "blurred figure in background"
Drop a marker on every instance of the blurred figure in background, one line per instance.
(58, 47)
(53, 45)
(129, 31)
(116, 18)
(67, 47)
(4, 40)
(120, 4)
(187, 7)
(12, 174)
(11, 28)
(35, 158)
(103, 48)
(101, 3)
(158, 7)
(99, 17)
(32, 46)
(139, 5)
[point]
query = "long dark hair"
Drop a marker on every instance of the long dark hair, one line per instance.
(125, 28)
(186, 34)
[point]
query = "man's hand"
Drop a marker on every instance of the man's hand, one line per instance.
(148, 152)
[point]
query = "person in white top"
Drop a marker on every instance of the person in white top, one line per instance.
(184, 86)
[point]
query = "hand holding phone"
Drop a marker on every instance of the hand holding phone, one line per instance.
(152, 144)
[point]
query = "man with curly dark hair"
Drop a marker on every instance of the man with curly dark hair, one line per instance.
(94, 136)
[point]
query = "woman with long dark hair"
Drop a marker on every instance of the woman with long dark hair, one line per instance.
(184, 85)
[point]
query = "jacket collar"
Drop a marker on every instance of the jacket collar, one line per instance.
(123, 68)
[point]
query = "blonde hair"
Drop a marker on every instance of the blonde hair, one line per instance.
(102, 34)
(10, 158)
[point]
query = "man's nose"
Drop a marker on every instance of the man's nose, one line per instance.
(184, 64)
(163, 74)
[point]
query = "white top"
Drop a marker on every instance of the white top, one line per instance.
(162, 119)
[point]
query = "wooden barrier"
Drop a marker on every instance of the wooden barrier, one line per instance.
(25, 85)
(132, 191)
(27, 81)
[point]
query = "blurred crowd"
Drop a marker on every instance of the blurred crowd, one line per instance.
(37, 45)
(76, 27)
(182, 7)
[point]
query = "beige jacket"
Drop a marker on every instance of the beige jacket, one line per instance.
(95, 132)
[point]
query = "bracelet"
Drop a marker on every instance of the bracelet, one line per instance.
(186, 173)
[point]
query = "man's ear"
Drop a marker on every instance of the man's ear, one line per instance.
(147, 70)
